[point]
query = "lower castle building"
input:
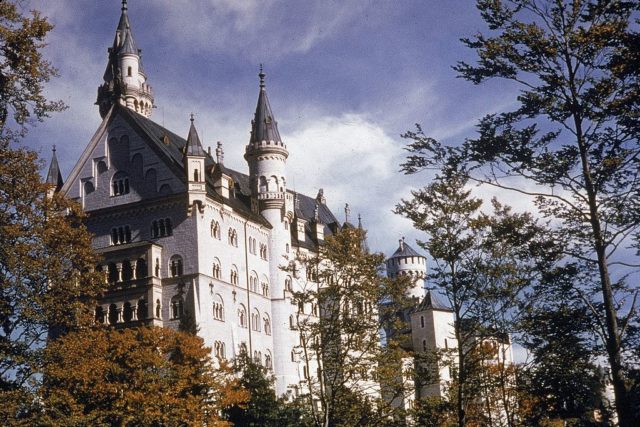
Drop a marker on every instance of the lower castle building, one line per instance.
(184, 236)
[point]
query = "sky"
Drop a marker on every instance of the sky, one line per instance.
(345, 79)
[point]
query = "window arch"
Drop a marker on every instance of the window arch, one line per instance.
(253, 282)
(288, 284)
(161, 228)
(220, 349)
(127, 312)
(265, 286)
(267, 324)
(255, 320)
(233, 276)
(177, 307)
(263, 251)
(120, 184)
(233, 237)
(268, 360)
(142, 309)
(218, 308)
(242, 316)
(215, 230)
(113, 314)
(120, 235)
(216, 269)
(175, 266)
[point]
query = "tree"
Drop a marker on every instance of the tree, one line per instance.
(23, 71)
(338, 321)
(482, 264)
(571, 143)
(136, 376)
(263, 407)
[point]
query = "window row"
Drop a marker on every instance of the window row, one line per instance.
(124, 271)
(119, 185)
(120, 235)
(256, 323)
(161, 228)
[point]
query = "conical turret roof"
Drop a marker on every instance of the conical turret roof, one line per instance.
(405, 250)
(123, 44)
(194, 147)
(54, 177)
(264, 126)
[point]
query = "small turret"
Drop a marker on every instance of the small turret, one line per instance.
(407, 262)
(194, 162)
(54, 177)
(266, 155)
(125, 81)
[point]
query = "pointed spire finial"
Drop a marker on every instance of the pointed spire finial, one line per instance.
(360, 221)
(54, 148)
(402, 243)
(262, 75)
(124, 5)
(191, 117)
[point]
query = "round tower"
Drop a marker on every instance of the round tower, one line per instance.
(125, 81)
(267, 155)
(405, 261)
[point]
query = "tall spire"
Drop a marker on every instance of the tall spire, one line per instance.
(264, 126)
(54, 177)
(125, 81)
(193, 147)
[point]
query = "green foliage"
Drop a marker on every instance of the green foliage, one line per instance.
(23, 71)
(571, 143)
(263, 408)
(341, 342)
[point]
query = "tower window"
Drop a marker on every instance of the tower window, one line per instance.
(129, 71)
(422, 321)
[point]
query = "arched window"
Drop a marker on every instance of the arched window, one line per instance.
(220, 349)
(288, 284)
(265, 288)
(215, 230)
(196, 177)
(233, 237)
(216, 268)
(177, 307)
(142, 309)
(255, 320)
(267, 325)
(292, 322)
(263, 184)
(263, 251)
(120, 235)
(127, 312)
(422, 321)
(175, 266)
(233, 276)
(286, 248)
(113, 314)
(243, 348)
(120, 184)
(242, 316)
(113, 273)
(141, 269)
(268, 360)
(218, 308)
(253, 282)
(158, 309)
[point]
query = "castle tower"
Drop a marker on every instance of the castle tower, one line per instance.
(125, 81)
(194, 161)
(267, 155)
(406, 261)
(54, 177)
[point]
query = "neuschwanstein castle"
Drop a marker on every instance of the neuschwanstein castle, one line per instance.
(179, 232)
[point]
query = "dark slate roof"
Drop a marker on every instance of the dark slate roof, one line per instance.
(306, 210)
(431, 302)
(404, 250)
(264, 126)
(194, 147)
(54, 176)
(170, 146)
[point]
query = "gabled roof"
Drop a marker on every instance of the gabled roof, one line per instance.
(54, 177)
(306, 209)
(431, 302)
(264, 126)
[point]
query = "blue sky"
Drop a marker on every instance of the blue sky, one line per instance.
(345, 79)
